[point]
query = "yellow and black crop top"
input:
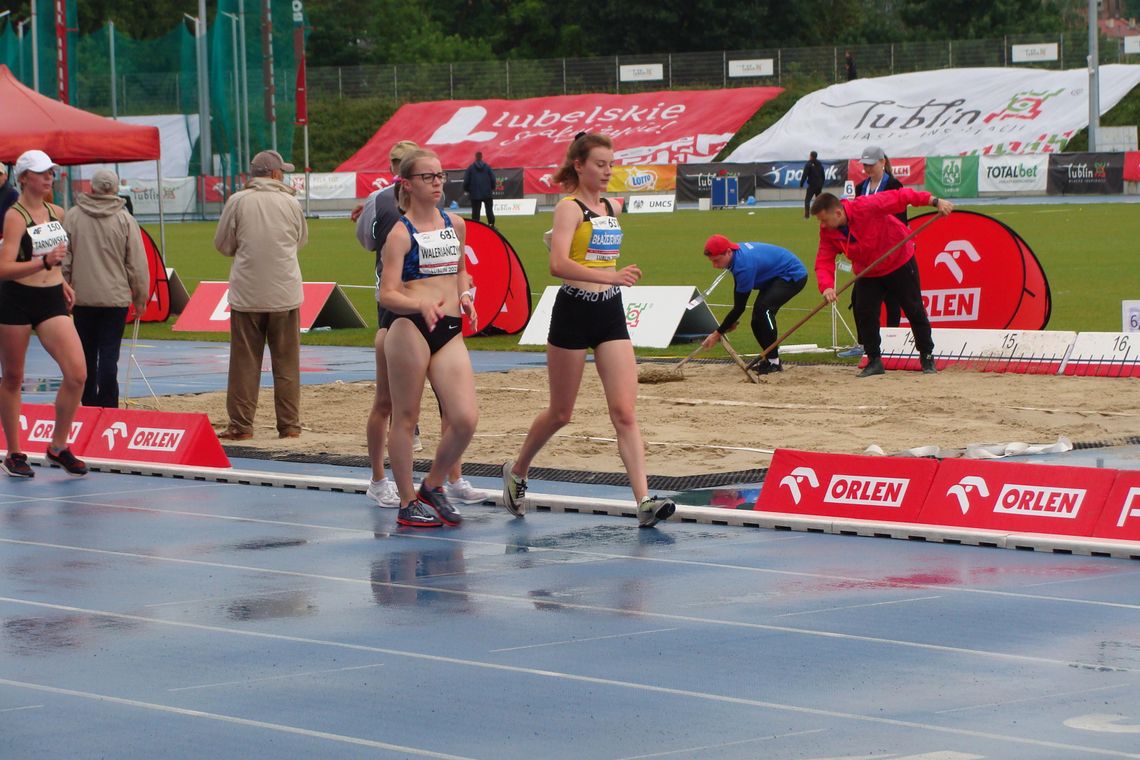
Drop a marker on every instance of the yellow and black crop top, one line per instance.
(597, 240)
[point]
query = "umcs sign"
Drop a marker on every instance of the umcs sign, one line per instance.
(650, 204)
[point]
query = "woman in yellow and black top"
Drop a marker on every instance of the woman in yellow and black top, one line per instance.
(34, 296)
(588, 314)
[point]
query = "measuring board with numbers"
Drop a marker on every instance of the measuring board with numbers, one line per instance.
(1105, 354)
(1026, 352)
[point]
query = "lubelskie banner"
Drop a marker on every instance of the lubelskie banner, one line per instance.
(669, 127)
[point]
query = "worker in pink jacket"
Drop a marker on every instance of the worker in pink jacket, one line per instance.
(863, 229)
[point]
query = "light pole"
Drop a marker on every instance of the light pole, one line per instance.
(234, 21)
(203, 101)
(20, 43)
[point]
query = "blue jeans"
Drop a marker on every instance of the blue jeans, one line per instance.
(100, 331)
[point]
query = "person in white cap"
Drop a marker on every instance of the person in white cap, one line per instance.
(107, 267)
(262, 227)
(34, 296)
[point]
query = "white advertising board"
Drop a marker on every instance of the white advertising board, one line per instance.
(642, 72)
(326, 186)
(650, 204)
(514, 206)
(753, 67)
(654, 315)
(1132, 45)
(1034, 53)
(178, 195)
(1130, 315)
(1011, 174)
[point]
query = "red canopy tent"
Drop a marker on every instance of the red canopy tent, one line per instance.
(69, 135)
(73, 136)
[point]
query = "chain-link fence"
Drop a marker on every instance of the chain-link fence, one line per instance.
(166, 90)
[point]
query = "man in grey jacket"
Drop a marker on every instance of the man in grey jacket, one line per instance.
(262, 227)
(106, 265)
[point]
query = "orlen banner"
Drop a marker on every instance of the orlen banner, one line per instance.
(502, 292)
(1132, 166)
(978, 273)
(1012, 174)
(647, 128)
(908, 171)
(981, 111)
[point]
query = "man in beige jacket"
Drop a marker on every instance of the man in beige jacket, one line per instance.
(262, 227)
(106, 265)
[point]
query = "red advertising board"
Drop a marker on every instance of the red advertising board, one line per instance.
(37, 425)
(664, 127)
(978, 273)
(369, 182)
(909, 171)
(1021, 498)
(324, 305)
(1120, 518)
(1132, 166)
(160, 437)
(890, 489)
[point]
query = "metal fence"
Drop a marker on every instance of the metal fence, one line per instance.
(162, 92)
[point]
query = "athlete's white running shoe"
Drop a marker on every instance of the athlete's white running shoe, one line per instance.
(384, 493)
(463, 492)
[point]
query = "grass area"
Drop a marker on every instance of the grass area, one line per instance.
(1084, 250)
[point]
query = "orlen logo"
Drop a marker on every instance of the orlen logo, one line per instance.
(953, 251)
(865, 490)
(42, 431)
(901, 170)
(966, 486)
(156, 439)
(639, 179)
(1128, 510)
(797, 476)
(380, 183)
(1047, 501)
(952, 305)
(1023, 105)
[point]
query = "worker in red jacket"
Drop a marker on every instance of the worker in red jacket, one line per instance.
(863, 229)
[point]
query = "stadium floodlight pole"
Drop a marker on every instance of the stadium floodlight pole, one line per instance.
(114, 89)
(20, 43)
(203, 141)
(35, 49)
(1094, 77)
(237, 85)
(206, 130)
(244, 83)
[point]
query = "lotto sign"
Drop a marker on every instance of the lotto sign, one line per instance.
(1023, 498)
(164, 437)
(1120, 518)
(843, 485)
(37, 426)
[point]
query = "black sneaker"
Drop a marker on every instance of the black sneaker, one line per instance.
(927, 362)
(653, 509)
(16, 465)
(767, 368)
(67, 461)
(874, 367)
(436, 499)
(417, 515)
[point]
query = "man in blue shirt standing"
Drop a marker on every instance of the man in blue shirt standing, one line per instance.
(774, 272)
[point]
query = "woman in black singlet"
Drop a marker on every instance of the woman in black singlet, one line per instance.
(425, 285)
(34, 296)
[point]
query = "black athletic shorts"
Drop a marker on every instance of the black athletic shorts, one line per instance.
(585, 318)
(26, 305)
(445, 329)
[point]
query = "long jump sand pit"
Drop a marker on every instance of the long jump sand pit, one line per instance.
(714, 420)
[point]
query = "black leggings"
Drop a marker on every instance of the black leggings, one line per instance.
(773, 294)
(904, 286)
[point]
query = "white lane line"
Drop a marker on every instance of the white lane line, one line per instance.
(229, 597)
(580, 641)
(1078, 750)
(1085, 578)
(724, 745)
(858, 606)
(1038, 698)
(845, 579)
(663, 616)
(25, 707)
(305, 674)
(280, 727)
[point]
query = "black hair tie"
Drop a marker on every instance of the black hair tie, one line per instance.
(579, 136)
